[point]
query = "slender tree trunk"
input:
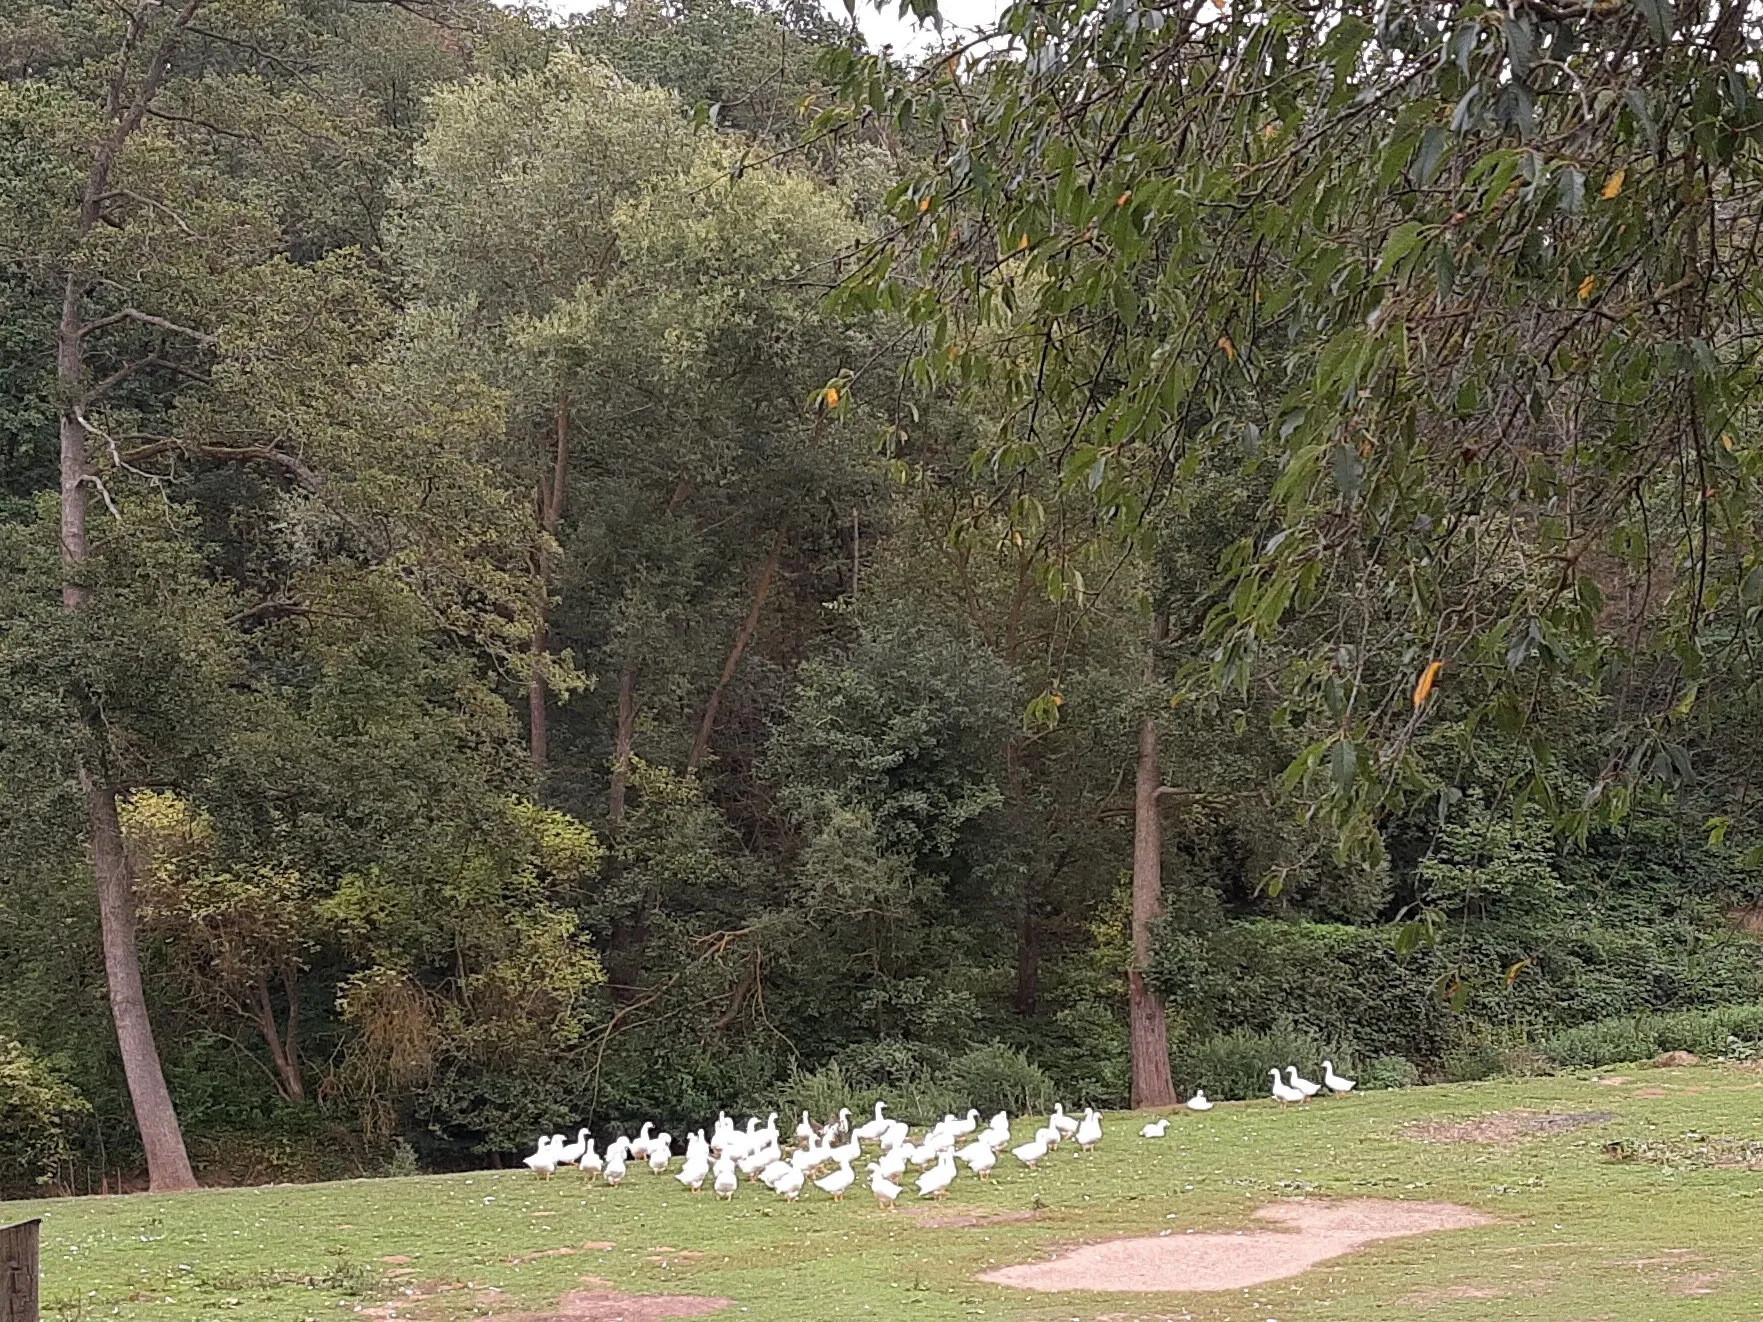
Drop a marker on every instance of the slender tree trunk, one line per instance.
(539, 735)
(1151, 1084)
(1028, 952)
(621, 747)
(283, 1050)
(1028, 944)
(550, 502)
(701, 744)
(168, 1164)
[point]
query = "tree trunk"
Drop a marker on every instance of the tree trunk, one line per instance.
(284, 1051)
(621, 747)
(168, 1164)
(701, 744)
(1028, 952)
(1025, 854)
(539, 740)
(550, 505)
(1151, 1084)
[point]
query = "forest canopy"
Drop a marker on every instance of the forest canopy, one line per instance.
(554, 571)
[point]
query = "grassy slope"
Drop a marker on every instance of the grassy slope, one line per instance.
(1579, 1237)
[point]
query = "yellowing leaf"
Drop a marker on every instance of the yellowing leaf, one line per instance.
(1726, 441)
(1588, 286)
(1023, 246)
(832, 397)
(1230, 349)
(1428, 677)
(1613, 185)
(1124, 198)
(923, 205)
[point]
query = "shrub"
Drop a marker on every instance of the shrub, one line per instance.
(37, 1108)
(1388, 1072)
(1640, 1037)
(995, 1078)
(1233, 1066)
(822, 1093)
(1344, 984)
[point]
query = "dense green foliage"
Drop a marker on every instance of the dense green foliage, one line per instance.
(629, 560)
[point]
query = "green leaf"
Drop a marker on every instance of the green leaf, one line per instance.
(1343, 764)
(1430, 155)
(1659, 18)
(1572, 190)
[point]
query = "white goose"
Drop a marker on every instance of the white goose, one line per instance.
(789, 1184)
(543, 1161)
(639, 1146)
(692, 1175)
(1155, 1129)
(1089, 1131)
(590, 1162)
(614, 1172)
(895, 1135)
(805, 1132)
(892, 1164)
(1302, 1084)
(885, 1190)
(1199, 1102)
(775, 1171)
(1334, 1082)
(570, 1153)
(725, 1179)
(963, 1126)
(836, 1183)
(661, 1153)
(759, 1159)
(935, 1183)
(872, 1130)
(1029, 1153)
(982, 1161)
(1281, 1093)
(1062, 1125)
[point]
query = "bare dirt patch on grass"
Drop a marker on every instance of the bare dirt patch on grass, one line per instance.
(933, 1218)
(1690, 1152)
(1317, 1231)
(613, 1306)
(1504, 1126)
(1452, 1294)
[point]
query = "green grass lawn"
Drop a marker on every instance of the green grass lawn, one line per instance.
(1578, 1236)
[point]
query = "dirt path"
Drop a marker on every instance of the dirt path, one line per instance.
(1319, 1230)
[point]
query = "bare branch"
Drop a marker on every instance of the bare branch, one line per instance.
(104, 491)
(151, 204)
(146, 319)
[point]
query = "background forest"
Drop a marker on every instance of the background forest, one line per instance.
(566, 635)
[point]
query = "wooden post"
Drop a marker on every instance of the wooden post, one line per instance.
(18, 1272)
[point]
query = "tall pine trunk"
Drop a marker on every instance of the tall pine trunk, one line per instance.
(550, 507)
(168, 1164)
(1151, 1084)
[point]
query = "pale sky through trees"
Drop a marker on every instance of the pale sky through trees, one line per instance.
(881, 28)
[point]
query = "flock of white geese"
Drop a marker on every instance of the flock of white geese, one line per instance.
(826, 1157)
